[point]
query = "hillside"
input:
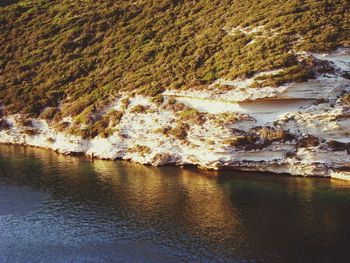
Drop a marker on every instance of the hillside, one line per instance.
(85, 52)
(257, 85)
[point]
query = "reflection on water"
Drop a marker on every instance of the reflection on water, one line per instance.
(57, 208)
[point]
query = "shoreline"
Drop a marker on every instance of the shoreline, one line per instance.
(337, 174)
(300, 128)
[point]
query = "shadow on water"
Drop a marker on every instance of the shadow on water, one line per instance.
(62, 208)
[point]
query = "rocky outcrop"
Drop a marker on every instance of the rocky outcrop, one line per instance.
(299, 128)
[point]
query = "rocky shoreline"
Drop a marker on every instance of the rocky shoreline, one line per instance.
(305, 168)
(300, 128)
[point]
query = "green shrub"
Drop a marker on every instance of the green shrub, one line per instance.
(124, 103)
(88, 54)
(163, 130)
(86, 117)
(139, 109)
(180, 131)
(142, 150)
(106, 133)
(115, 117)
(151, 91)
(209, 77)
(171, 100)
(157, 99)
(192, 116)
(61, 126)
(229, 118)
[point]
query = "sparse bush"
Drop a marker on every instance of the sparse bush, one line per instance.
(258, 138)
(273, 134)
(74, 109)
(58, 117)
(62, 126)
(115, 117)
(142, 150)
(172, 101)
(84, 133)
(48, 113)
(248, 142)
(51, 140)
(180, 131)
(346, 99)
(30, 132)
(309, 141)
(192, 116)
(124, 103)
(229, 117)
(163, 130)
(157, 99)
(176, 106)
(139, 109)
(87, 116)
(106, 133)
(99, 127)
(25, 122)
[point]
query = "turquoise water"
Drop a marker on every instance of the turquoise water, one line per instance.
(56, 208)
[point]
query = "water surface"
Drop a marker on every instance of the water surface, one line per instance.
(56, 208)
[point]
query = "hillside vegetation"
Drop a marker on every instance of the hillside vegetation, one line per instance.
(84, 52)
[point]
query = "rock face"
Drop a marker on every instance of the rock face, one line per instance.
(299, 128)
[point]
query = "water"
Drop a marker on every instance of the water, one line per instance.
(55, 208)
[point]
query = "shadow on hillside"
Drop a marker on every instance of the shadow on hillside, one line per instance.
(4, 3)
